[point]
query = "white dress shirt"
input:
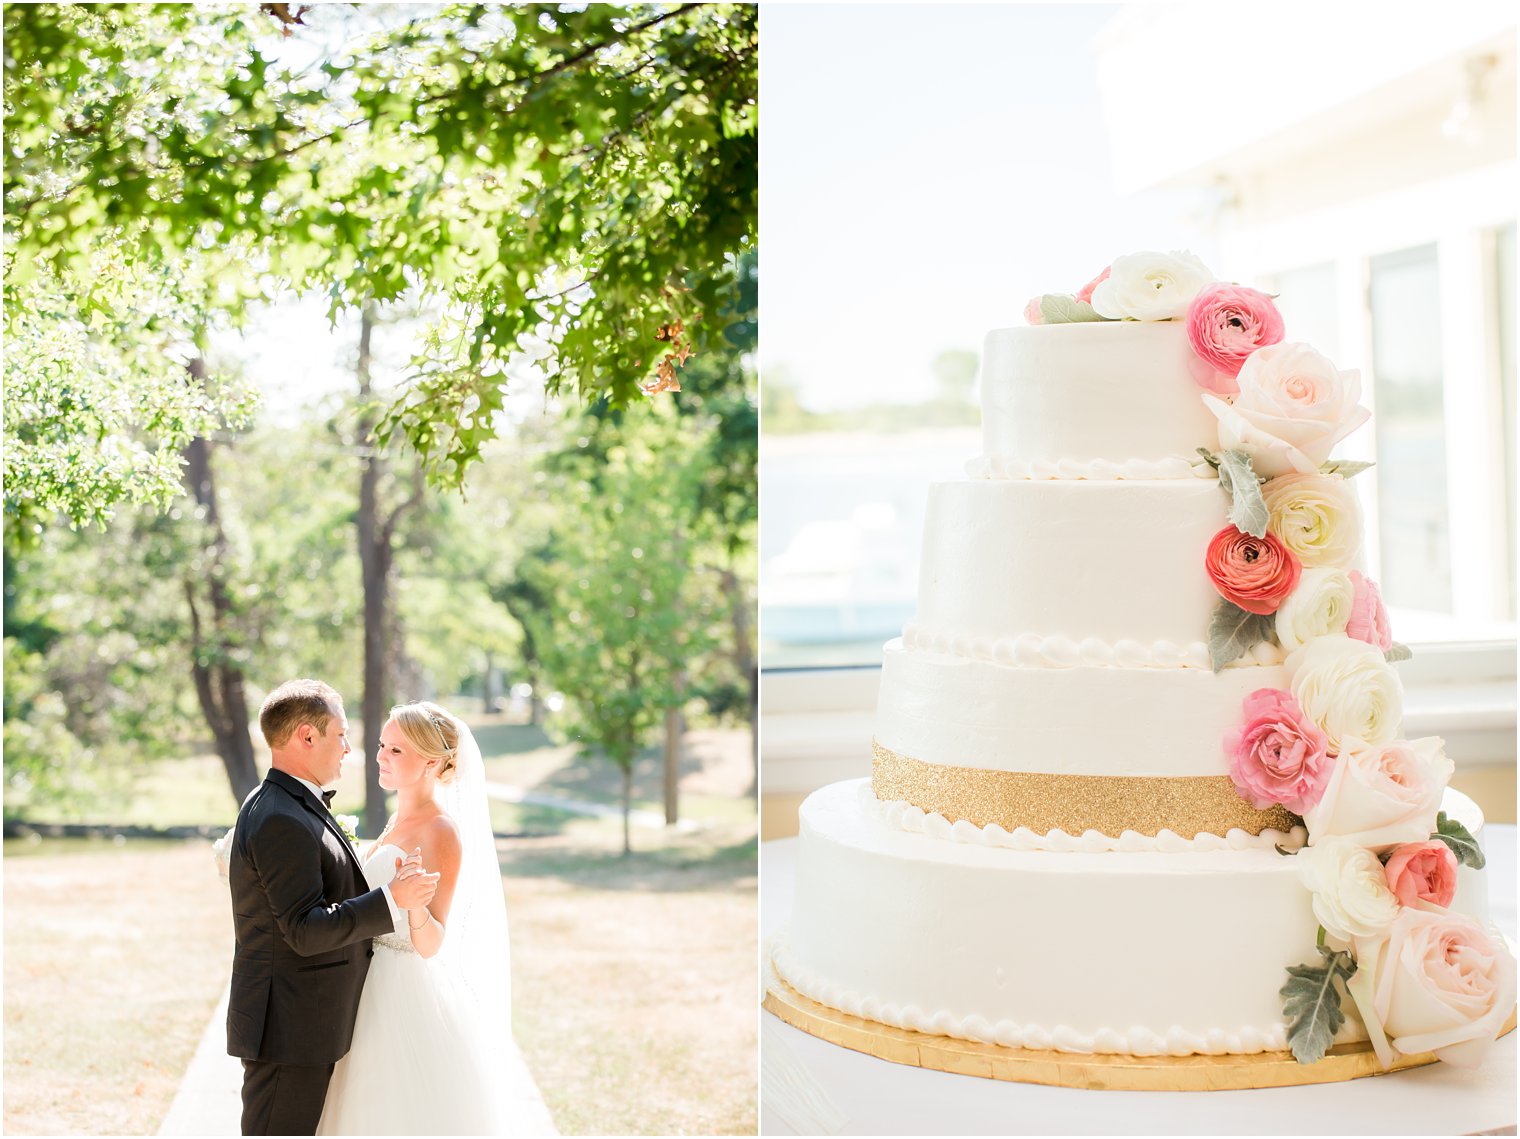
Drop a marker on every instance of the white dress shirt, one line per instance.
(386, 889)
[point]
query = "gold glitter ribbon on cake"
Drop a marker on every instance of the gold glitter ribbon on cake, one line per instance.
(1187, 805)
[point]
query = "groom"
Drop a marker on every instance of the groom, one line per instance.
(303, 916)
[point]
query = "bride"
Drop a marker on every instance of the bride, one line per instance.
(433, 1031)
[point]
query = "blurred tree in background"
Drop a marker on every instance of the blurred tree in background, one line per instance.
(561, 194)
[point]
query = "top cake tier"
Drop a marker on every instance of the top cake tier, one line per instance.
(1109, 399)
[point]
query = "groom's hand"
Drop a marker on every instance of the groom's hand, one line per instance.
(413, 887)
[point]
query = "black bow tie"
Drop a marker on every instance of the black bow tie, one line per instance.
(327, 796)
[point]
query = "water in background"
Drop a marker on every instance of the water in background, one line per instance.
(841, 523)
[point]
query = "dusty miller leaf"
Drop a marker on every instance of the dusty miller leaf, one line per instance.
(1209, 457)
(1312, 1004)
(1233, 632)
(1057, 308)
(1461, 841)
(1248, 510)
(1397, 651)
(1344, 467)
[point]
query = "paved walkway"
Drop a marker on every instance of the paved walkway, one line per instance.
(510, 794)
(209, 1100)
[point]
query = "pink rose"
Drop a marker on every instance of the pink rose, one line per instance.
(1422, 872)
(1437, 983)
(1279, 755)
(1378, 797)
(1225, 324)
(1085, 296)
(1253, 573)
(1032, 314)
(1369, 617)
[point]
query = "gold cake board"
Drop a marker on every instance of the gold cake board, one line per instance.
(1097, 1071)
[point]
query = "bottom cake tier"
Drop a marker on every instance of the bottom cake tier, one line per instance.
(1145, 953)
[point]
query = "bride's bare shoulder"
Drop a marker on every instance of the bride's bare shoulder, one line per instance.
(440, 836)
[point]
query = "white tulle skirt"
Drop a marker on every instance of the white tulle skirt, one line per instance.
(421, 1062)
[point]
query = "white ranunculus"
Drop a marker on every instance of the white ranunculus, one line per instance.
(1318, 606)
(1351, 894)
(1378, 797)
(1294, 406)
(1438, 982)
(1151, 286)
(1316, 516)
(1348, 689)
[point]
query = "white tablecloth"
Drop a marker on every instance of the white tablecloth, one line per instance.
(811, 1087)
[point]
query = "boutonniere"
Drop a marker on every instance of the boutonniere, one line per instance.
(348, 824)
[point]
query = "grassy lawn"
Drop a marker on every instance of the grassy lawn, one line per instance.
(634, 979)
(115, 956)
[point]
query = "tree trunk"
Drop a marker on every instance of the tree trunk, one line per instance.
(488, 701)
(741, 616)
(374, 568)
(675, 727)
(218, 681)
(627, 805)
(376, 535)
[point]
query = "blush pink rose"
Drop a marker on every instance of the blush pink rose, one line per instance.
(1278, 755)
(1369, 616)
(1253, 573)
(1422, 872)
(1085, 295)
(1437, 983)
(1379, 796)
(1225, 324)
(1032, 314)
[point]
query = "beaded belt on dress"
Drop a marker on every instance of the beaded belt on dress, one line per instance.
(397, 942)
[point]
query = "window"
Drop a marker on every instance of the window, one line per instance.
(1504, 320)
(1306, 298)
(1410, 421)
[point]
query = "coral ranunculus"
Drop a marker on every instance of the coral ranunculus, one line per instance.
(1253, 573)
(1225, 324)
(1278, 755)
(1422, 872)
(1032, 314)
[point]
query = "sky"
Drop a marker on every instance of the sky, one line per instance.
(925, 170)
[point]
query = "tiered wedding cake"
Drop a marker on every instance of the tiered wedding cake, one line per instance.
(1138, 753)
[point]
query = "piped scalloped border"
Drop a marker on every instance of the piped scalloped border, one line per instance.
(908, 817)
(1031, 650)
(1103, 470)
(1133, 1041)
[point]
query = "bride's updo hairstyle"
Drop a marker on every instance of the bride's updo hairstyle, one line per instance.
(433, 732)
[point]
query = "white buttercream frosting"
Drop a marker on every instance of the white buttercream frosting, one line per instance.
(1116, 392)
(1117, 560)
(961, 710)
(1003, 467)
(1031, 650)
(1045, 948)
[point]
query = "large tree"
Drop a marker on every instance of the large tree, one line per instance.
(561, 183)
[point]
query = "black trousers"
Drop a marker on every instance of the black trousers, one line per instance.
(283, 1099)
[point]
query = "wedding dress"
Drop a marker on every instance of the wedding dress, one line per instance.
(432, 1052)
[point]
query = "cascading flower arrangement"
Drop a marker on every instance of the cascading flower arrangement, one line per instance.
(1381, 860)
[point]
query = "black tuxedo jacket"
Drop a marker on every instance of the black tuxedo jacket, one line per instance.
(303, 916)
